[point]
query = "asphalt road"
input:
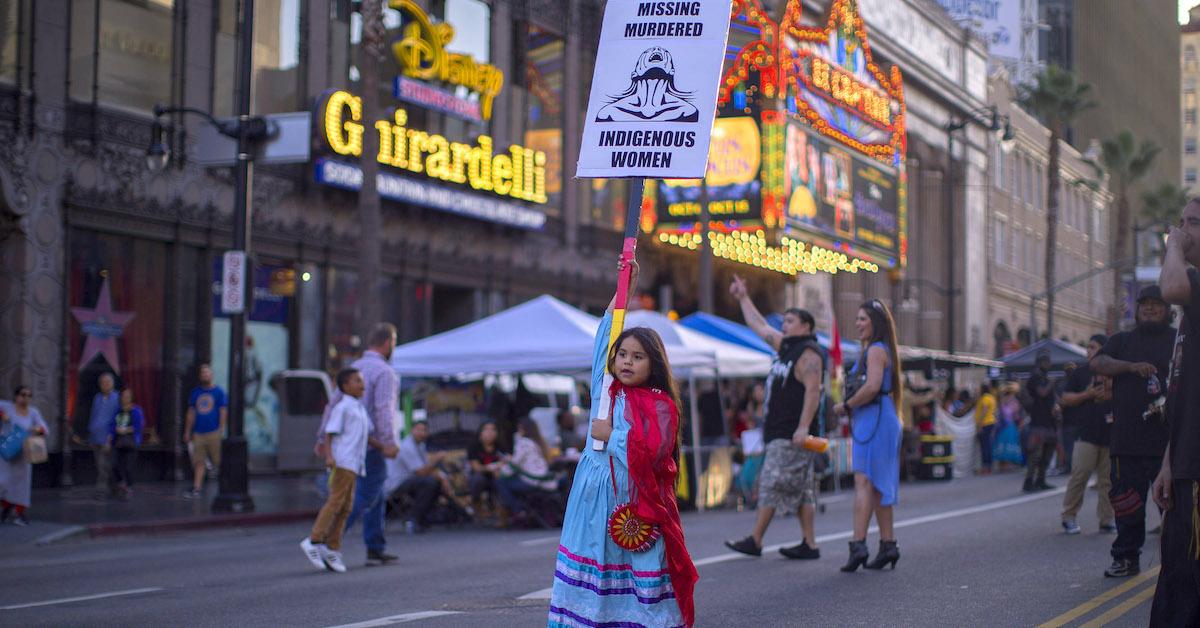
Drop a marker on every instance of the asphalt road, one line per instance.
(974, 552)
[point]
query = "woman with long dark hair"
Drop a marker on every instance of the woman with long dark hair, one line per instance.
(527, 470)
(485, 456)
(876, 432)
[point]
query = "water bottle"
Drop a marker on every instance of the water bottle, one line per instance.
(817, 444)
(1153, 387)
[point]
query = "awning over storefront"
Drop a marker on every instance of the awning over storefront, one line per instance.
(918, 358)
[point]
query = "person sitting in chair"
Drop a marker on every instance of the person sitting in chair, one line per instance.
(528, 469)
(416, 475)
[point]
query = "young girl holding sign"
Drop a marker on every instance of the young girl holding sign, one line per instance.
(622, 559)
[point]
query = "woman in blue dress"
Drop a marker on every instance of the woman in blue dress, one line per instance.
(875, 428)
(634, 416)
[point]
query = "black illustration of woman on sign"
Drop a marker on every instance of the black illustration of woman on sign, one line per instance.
(652, 95)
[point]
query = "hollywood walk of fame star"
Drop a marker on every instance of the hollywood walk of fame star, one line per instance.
(102, 326)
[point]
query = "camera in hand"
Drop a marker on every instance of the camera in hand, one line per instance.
(854, 382)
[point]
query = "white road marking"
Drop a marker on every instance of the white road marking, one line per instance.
(82, 598)
(398, 619)
(539, 541)
(544, 594)
(906, 523)
(65, 533)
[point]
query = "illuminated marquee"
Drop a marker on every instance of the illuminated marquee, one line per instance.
(520, 173)
(831, 186)
(422, 54)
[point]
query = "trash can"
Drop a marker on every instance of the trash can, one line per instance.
(937, 458)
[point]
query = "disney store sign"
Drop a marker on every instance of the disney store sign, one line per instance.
(421, 53)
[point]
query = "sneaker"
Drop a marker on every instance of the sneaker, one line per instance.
(1028, 487)
(1043, 486)
(745, 546)
(801, 552)
(1109, 528)
(1123, 568)
(21, 520)
(192, 493)
(333, 560)
(6, 515)
(314, 553)
(1070, 527)
(379, 556)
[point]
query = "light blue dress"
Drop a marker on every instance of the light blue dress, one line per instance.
(597, 583)
(876, 433)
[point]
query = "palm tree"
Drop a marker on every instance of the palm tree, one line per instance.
(370, 220)
(1057, 97)
(1126, 162)
(1161, 205)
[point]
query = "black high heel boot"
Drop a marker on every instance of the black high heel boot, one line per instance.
(858, 556)
(889, 553)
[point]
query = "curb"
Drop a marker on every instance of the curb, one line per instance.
(196, 523)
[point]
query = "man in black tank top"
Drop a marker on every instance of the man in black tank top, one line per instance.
(793, 389)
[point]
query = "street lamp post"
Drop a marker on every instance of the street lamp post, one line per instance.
(953, 125)
(250, 132)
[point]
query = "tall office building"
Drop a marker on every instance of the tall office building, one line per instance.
(1129, 53)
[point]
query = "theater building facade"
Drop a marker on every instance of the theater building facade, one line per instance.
(827, 181)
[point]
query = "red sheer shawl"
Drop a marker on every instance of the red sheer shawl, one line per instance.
(653, 426)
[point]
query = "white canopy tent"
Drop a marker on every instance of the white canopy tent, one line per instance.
(731, 360)
(543, 335)
(546, 335)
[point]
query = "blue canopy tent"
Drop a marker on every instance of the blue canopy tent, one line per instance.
(737, 333)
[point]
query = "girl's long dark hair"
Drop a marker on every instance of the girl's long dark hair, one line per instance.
(660, 366)
(883, 329)
(534, 433)
(499, 444)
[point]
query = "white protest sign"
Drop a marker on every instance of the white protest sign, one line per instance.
(654, 90)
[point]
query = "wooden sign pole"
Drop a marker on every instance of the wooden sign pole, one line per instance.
(633, 214)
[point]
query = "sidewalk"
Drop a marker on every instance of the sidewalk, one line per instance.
(61, 513)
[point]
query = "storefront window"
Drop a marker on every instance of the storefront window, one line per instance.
(116, 286)
(129, 64)
(12, 37)
(275, 84)
(543, 82)
(266, 352)
(343, 344)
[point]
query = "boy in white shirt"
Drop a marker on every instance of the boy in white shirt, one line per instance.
(348, 428)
